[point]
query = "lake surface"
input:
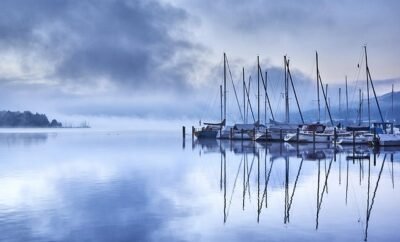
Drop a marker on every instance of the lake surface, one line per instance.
(88, 185)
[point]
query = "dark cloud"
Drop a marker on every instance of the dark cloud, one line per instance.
(285, 16)
(139, 44)
(141, 58)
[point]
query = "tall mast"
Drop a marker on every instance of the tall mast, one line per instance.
(258, 89)
(220, 92)
(360, 107)
(289, 77)
(326, 93)
(372, 85)
(392, 101)
(366, 73)
(323, 93)
(244, 98)
(319, 106)
(265, 98)
(224, 86)
(347, 103)
(286, 93)
(340, 103)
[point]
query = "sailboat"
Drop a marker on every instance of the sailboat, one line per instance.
(317, 132)
(382, 137)
(244, 131)
(211, 130)
(276, 131)
(238, 131)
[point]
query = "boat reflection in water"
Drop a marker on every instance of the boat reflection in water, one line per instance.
(341, 187)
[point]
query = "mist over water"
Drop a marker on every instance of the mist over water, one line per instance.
(110, 185)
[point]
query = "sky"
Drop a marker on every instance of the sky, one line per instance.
(163, 59)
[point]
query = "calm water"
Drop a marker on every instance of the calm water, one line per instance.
(86, 185)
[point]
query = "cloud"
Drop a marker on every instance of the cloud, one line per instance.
(163, 59)
(98, 44)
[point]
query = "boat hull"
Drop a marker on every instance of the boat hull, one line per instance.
(309, 138)
(389, 140)
(206, 134)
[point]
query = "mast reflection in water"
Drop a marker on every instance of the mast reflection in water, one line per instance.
(272, 172)
(93, 185)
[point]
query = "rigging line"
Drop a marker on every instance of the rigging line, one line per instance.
(373, 199)
(355, 87)
(294, 91)
(208, 108)
(326, 102)
(376, 187)
(376, 99)
(266, 185)
(265, 89)
(248, 177)
(214, 98)
(233, 188)
(324, 187)
(279, 93)
(273, 88)
(234, 89)
(294, 186)
(248, 100)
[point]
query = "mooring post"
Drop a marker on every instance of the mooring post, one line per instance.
(193, 132)
(241, 132)
(231, 133)
(266, 134)
(280, 135)
(313, 136)
(183, 137)
(374, 141)
(334, 136)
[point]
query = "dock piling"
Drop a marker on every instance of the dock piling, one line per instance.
(334, 136)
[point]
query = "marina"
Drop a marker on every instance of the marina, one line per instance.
(352, 133)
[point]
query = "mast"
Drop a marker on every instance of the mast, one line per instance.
(248, 100)
(372, 86)
(366, 73)
(294, 90)
(326, 92)
(266, 95)
(224, 86)
(319, 106)
(220, 92)
(258, 90)
(392, 101)
(360, 106)
(340, 102)
(347, 103)
(265, 98)
(323, 93)
(286, 94)
(244, 98)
